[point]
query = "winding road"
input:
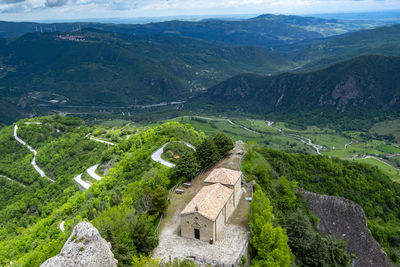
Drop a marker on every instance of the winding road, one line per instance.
(307, 141)
(215, 119)
(102, 141)
(156, 156)
(303, 139)
(346, 145)
(33, 162)
(378, 159)
(99, 140)
(84, 185)
(62, 226)
(13, 181)
(92, 172)
(270, 123)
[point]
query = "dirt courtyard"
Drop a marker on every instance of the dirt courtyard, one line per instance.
(228, 248)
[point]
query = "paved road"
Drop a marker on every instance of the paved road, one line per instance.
(11, 180)
(378, 159)
(216, 119)
(82, 184)
(102, 141)
(62, 226)
(156, 156)
(346, 145)
(92, 172)
(33, 162)
(303, 139)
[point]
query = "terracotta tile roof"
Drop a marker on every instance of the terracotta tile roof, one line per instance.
(223, 176)
(209, 201)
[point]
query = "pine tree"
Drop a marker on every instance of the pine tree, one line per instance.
(207, 153)
(159, 199)
(186, 167)
(223, 142)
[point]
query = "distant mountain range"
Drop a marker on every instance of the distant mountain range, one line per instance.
(95, 68)
(270, 31)
(324, 52)
(364, 83)
(81, 66)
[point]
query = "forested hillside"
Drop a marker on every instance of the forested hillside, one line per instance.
(41, 72)
(63, 151)
(279, 173)
(116, 204)
(324, 52)
(368, 83)
(275, 29)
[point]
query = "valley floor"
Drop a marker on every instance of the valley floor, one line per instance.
(350, 145)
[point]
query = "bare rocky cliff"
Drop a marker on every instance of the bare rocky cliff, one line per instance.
(84, 248)
(344, 218)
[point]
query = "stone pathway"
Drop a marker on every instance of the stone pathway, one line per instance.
(226, 250)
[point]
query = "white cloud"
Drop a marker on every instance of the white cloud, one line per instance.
(57, 9)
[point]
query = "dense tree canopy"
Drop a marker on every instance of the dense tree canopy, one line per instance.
(291, 212)
(207, 152)
(125, 204)
(270, 242)
(223, 143)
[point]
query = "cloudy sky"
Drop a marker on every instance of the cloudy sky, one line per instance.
(25, 10)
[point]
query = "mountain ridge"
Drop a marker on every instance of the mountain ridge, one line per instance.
(110, 69)
(367, 82)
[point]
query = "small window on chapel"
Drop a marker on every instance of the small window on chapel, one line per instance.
(187, 222)
(205, 225)
(196, 218)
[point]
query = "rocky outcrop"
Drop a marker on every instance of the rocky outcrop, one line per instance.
(344, 218)
(363, 83)
(84, 248)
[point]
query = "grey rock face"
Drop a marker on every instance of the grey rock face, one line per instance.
(341, 217)
(84, 248)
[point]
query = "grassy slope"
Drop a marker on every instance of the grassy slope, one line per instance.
(333, 140)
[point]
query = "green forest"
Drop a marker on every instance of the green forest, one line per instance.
(127, 203)
(279, 174)
(30, 232)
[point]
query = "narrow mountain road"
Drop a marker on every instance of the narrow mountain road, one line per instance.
(13, 181)
(84, 185)
(378, 159)
(307, 141)
(156, 156)
(102, 141)
(346, 145)
(62, 226)
(215, 119)
(92, 172)
(33, 162)
(270, 123)
(302, 139)
(99, 140)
